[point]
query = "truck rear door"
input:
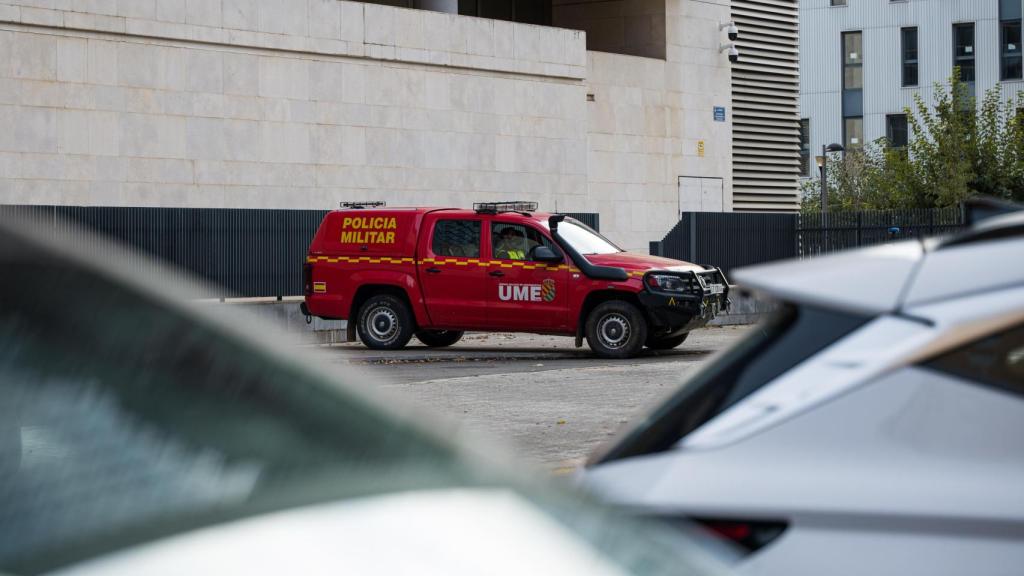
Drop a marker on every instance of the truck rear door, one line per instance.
(453, 277)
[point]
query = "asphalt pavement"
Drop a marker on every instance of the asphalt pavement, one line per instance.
(550, 402)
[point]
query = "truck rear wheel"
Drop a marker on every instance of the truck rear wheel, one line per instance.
(666, 343)
(616, 329)
(439, 338)
(385, 323)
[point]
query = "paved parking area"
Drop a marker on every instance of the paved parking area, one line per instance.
(550, 402)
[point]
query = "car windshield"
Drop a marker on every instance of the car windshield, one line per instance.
(584, 239)
(127, 416)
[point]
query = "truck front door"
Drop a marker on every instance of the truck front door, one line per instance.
(525, 295)
(453, 277)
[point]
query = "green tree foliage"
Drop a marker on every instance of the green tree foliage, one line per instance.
(957, 149)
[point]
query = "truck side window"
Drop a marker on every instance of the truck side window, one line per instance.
(460, 238)
(515, 241)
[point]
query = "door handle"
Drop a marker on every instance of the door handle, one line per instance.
(433, 271)
(497, 273)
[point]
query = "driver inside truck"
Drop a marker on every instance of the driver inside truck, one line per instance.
(513, 244)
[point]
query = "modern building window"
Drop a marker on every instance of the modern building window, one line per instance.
(1009, 40)
(853, 68)
(853, 132)
(896, 130)
(963, 50)
(909, 55)
(805, 147)
(837, 2)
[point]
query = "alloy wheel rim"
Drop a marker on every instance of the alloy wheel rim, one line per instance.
(613, 330)
(383, 323)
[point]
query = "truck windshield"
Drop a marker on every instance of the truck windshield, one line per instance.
(584, 239)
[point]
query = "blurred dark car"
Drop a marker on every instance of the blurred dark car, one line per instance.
(143, 434)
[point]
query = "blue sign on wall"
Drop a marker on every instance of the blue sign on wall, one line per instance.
(719, 113)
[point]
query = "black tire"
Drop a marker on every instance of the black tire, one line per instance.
(385, 323)
(616, 329)
(666, 343)
(439, 338)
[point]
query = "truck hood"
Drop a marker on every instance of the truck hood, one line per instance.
(633, 262)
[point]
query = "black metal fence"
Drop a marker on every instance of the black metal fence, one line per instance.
(734, 239)
(729, 239)
(239, 252)
(820, 234)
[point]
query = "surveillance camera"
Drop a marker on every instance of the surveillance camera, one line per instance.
(730, 29)
(734, 54)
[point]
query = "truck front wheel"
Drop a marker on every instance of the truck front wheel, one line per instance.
(385, 323)
(438, 338)
(616, 329)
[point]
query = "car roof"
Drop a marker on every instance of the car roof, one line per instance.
(886, 278)
(306, 540)
(868, 280)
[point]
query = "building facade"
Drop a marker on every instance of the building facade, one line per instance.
(864, 60)
(306, 103)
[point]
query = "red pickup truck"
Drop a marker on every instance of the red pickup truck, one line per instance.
(435, 273)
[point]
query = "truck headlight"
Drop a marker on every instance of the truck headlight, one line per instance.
(667, 283)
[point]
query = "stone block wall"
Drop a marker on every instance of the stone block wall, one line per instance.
(305, 103)
(284, 103)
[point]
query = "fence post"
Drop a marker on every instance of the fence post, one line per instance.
(693, 237)
(797, 235)
(860, 223)
(931, 222)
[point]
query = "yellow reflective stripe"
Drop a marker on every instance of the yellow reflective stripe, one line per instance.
(358, 259)
(524, 264)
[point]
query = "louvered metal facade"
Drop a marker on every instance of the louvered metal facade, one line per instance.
(765, 101)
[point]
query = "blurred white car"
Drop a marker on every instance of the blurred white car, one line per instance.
(140, 435)
(874, 425)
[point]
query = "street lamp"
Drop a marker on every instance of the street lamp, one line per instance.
(822, 162)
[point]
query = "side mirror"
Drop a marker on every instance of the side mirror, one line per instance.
(545, 254)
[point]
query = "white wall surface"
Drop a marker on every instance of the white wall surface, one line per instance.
(304, 103)
(647, 118)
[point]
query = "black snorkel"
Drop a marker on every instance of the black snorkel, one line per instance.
(588, 269)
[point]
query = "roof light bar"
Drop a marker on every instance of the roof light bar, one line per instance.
(496, 207)
(358, 205)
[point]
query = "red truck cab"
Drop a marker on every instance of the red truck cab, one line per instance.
(435, 273)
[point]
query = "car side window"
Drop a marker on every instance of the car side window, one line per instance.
(460, 238)
(515, 241)
(996, 360)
